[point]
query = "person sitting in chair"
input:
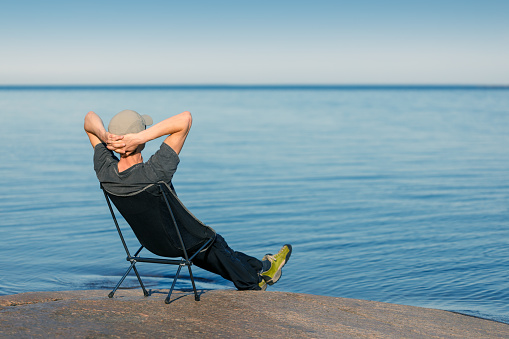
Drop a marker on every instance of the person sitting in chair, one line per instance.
(127, 134)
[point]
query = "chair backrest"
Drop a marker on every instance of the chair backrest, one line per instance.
(152, 214)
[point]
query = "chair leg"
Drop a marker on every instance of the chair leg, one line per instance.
(196, 295)
(167, 300)
(121, 280)
(145, 293)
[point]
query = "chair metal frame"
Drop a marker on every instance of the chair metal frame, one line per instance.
(185, 260)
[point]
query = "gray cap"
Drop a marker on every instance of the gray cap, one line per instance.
(128, 121)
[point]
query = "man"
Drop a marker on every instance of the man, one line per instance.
(127, 135)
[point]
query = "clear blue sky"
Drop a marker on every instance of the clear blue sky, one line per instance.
(255, 42)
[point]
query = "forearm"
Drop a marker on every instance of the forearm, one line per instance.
(177, 124)
(94, 125)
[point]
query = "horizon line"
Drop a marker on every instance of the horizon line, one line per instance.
(247, 86)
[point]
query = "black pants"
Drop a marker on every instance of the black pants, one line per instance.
(241, 269)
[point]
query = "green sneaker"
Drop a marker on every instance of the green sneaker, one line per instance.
(272, 275)
(263, 285)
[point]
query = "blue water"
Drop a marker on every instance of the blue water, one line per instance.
(398, 195)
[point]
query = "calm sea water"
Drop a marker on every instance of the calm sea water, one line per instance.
(394, 195)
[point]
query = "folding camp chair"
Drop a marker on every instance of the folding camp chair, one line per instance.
(162, 225)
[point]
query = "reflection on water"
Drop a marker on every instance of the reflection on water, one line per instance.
(390, 195)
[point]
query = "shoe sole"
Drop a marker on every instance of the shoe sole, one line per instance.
(279, 272)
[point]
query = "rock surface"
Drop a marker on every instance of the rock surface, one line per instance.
(227, 313)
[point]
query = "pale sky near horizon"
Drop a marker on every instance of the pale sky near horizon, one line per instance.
(262, 42)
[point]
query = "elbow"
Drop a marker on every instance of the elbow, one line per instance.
(188, 119)
(88, 117)
(188, 116)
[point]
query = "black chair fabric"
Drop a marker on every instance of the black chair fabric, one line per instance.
(147, 214)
